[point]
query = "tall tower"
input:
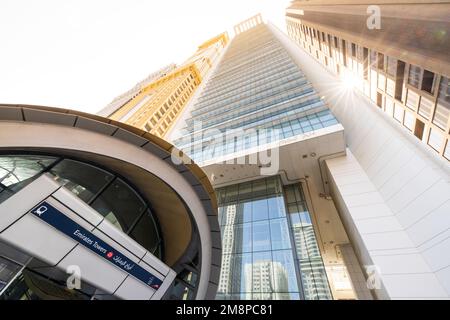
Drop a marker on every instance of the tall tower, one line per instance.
(155, 103)
(397, 54)
(257, 99)
(383, 67)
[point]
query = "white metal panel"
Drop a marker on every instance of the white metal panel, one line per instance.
(68, 213)
(78, 206)
(132, 289)
(154, 262)
(95, 270)
(38, 239)
(24, 200)
(109, 229)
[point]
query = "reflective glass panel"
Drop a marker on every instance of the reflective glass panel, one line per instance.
(249, 234)
(83, 180)
(146, 234)
(120, 205)
(17, 171)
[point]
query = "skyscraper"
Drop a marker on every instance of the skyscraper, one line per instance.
(383, 68)
(396, 54)
(256, 99)
(155, 103)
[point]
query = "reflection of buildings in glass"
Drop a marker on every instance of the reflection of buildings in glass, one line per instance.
(227, 247)
(266, 280)
(315, 283)
(305, 240)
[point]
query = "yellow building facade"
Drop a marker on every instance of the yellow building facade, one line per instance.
(158, 103)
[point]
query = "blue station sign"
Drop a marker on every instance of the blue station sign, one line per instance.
(64, 224)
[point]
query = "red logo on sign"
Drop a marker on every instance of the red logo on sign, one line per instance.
(109, 255)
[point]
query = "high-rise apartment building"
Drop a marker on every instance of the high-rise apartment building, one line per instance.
(127, 96)
(397, 54)
(383, 68)
(155, 103)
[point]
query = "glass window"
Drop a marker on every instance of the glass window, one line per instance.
(259, 261)
(244, 213)
(391, 66)
(443, 104)
(436, 139)
(276, 207)
(242, 269)
(17, 171)
(8, 271)
(279, 233)
(261, 236)
(245, 191)
(83, 180)
(259, 188)
(120, 205)
(373, 58)
(243, 238)
(231, 193)
(409, 121)
(260, 209)
(380, 60)
(428, 81)
(414, 75)
(398, 113)
(284, 272)
(220, 214)
(146, 234)
(412, 100)
(389, 107)
(309, 258)
(390, 87)
(353, 50)
(426, 106)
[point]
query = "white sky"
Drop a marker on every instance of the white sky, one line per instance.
(80, 54)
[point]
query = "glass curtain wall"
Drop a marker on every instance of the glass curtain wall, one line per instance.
(308, 258)
(260, 257)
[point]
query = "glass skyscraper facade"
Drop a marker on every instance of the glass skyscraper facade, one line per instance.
(256, 88)
(269, 248)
